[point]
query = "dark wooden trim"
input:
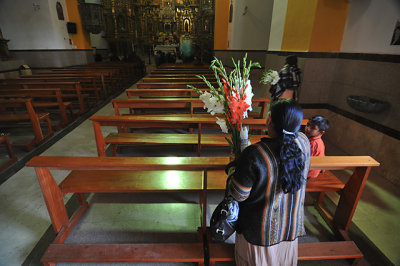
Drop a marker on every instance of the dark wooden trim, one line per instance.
(362, 120)
(243, 51)
(392, 58)
(51, 50)
(9, 70)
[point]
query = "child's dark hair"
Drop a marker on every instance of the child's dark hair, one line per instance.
(320, 121)
(287, 115)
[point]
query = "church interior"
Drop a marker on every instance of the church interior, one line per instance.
(82, 183)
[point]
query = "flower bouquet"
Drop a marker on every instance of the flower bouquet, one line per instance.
(270, 77)
(231, 101)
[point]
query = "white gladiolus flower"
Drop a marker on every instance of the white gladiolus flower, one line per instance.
(222, 125)
(272, 77)
(249, 95)
(217, 106)
(275, 77)
(212, 103)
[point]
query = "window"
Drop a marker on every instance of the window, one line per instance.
(60, 12)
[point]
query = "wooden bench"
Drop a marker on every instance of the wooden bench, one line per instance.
(182, 71)
(131, 179)
(155, 253)
(178, 75)
(120, 139)
(175, 85)
(139, 174)
(174, 79)
(46, 99)
(188, 104)
(71, 91)
(88, 84)
(95, 79)
(109, 76)
(125, 72)
(19, 112)
(183, 66)
(4, 139)
(161, 93)
(333, 250)
(162, 121)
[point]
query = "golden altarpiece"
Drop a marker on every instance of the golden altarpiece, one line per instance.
(151, 25)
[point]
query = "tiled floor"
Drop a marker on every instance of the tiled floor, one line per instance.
(24, 218)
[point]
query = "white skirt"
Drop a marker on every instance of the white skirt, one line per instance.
(246, 254)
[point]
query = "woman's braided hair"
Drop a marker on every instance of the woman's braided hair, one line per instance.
(287, 115)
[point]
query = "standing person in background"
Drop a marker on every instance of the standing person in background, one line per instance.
(269, 181)
(289, 82)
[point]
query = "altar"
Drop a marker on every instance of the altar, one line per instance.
(166, 48)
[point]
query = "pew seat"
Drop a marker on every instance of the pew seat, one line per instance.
(130, 181)
(307, 251)
(116, 139)
(326, 181)
(89, 253)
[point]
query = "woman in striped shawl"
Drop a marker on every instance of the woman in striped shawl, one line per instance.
(269, 180)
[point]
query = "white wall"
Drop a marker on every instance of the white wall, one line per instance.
(277, 25)
(33, 27)
(251, 30)
(370, 25)
(60, 26)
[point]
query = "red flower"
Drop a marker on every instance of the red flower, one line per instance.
(237, 109)
(226, 89)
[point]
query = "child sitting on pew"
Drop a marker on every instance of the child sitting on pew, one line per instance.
(315, 128)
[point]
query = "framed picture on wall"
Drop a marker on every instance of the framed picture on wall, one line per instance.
(396, 34)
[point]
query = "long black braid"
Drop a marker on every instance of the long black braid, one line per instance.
(287, 116)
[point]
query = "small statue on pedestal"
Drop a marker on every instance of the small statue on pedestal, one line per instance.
(4, 53)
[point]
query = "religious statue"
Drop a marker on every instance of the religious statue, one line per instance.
(4, 53)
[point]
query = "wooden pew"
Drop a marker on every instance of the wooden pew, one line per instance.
(161, 121)
(26, 114)
(178, 75)
(126, 71)
(4, 140)
(71, 91)
(47, 99)
(184, 66)
(139, 174)
(189, 180)
(88, 84)
(188, 72)
(96, 79)
(110, 77)
(161, 93)
(188, 104)
(174, 79)
(175, 85)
